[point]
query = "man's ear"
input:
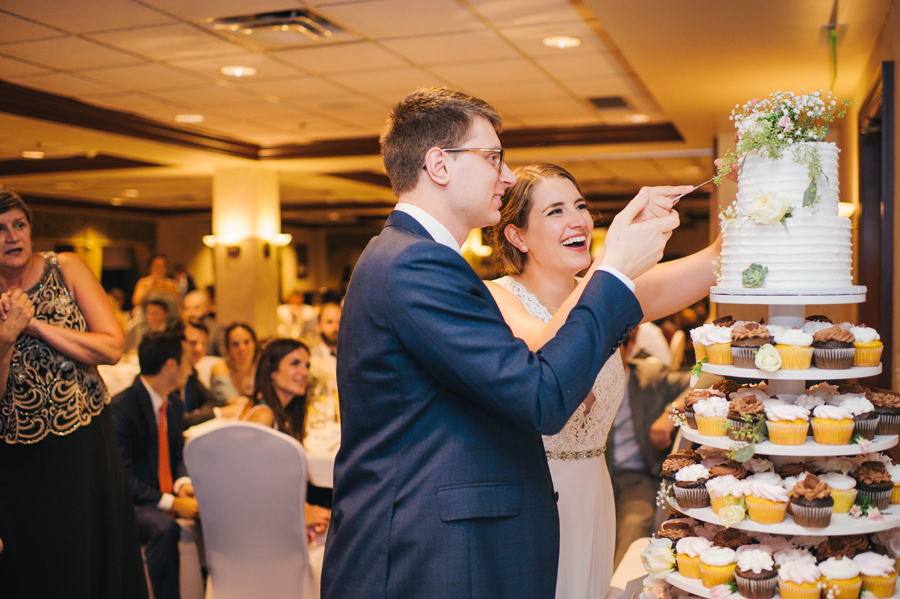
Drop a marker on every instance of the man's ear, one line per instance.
(436, 166)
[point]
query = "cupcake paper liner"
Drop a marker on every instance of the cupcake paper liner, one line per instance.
(711, 426)
(785, 432)
(867, 356)
(711, 576)
(834, 359)
(717, 502)
(812, 517)
(888, 424)
(866, 428)
(719, 353)
(843, 500)
(764, 511)
(792, 590)
(735, 429)
(688, 566)
(743, 357)
(882, 587)
(689, 498)
(795, 357)
(879, 498)
(895, 493)
(699, 351)
(843, 589)
(756, 589)
(691, 419)
(832, 432)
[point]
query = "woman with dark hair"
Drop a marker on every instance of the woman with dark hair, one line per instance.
(66, 513)
(279, 400)
(233, 375)
(543, 241)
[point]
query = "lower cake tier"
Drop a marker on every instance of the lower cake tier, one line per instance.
(695, 587)
(807, 252)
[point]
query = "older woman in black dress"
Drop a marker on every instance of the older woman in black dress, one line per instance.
(66, 515)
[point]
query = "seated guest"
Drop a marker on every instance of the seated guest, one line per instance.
(148, 424)
(154, 318)
(323, 353)
(294, 316)
(158, 285)
(233, 374)
(196, 306)
(279, 400)
(200, 404)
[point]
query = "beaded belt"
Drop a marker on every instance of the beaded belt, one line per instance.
(575, 455)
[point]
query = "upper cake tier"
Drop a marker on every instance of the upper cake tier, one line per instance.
(797, 248)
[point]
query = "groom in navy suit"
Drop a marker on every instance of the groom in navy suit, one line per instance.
(442, 488)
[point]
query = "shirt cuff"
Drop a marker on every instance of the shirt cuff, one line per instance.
(176, 486)
(166, 502)
(625, 280)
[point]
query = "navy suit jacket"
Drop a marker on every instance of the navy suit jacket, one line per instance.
(442, 487)
(138, 438)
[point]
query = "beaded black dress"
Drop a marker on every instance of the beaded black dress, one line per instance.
(66, 513)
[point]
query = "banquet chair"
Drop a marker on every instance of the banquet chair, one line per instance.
(677, 347)
(250, 483)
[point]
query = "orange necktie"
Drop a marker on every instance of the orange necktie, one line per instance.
(165, 466)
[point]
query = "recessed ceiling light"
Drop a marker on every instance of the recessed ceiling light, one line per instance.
(117, 201)
(236, 71)
(334, 216)
(189, 118)
(130, 193)
(639, 118)
(32, 154)
(563, 42)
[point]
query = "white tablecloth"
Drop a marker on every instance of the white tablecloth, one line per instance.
(119, 377)
(321, 448)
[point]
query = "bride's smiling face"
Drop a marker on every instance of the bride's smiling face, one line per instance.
(558, 233)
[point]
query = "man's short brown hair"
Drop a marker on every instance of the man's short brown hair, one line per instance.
(427, 118)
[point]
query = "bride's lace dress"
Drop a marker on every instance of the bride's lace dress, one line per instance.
(586, 506)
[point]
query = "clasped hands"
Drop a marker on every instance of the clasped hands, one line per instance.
(16, 312)
(185, 504)
(638, 234)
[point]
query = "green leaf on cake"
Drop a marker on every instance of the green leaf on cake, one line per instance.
(754, 275)
(741, 452)
(810, 196)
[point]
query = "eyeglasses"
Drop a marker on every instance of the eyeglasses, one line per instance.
(495, 155)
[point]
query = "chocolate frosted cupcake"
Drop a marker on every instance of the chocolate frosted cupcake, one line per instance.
(731, 538)
(833, 348)
(675, 530)
(746, 339)
(865, 419)
(755, 574)
(690, 487)
(744, 413)
(795, 469)
(847, 546)
(675, 462)
(873, 482)
(853, 389)
(811, 502)
(887, 406)
(725, 386)
(728, 468)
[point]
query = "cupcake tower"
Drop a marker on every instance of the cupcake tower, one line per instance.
(809, 433)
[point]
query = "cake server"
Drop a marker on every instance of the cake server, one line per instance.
(696, 187)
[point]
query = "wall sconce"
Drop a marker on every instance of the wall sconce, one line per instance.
(846, 209)
(234, 248)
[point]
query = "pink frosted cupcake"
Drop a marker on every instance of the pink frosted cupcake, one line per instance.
(687, 555)
(878, 574)
(723, 491)
(766, 501)
(718, 350)
(787, 424)
(799, 579)
(840, 576)
(717, 566)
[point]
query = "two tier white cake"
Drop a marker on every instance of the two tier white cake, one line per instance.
(808, 250)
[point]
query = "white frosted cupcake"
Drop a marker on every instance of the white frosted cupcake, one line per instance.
(840, 576)
(690, 487)
(755, 574)
(787, 424)
(687, 555)
(894, 471)
(843, 490)
(710, 414)
(832, 425)
(868, 346)
(718, 350)
(813, 326)
(717, 566)
(723, 491)
(795, 348)
(865, 420)
(877, 573)
(700, 340)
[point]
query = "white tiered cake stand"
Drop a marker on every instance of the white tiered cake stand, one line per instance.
(789, 311)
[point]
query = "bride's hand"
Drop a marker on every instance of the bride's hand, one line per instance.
(660, 200)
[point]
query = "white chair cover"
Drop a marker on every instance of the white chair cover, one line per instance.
(250, 482)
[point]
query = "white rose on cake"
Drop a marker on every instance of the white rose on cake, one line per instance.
(769, 208)
(659, 558)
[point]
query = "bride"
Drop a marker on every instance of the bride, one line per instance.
(542, 242)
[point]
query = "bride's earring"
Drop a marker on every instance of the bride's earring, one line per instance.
(524, 248)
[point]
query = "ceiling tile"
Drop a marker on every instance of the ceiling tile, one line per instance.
(383, 20)
(168, 42)
(143, 77)
(204, 95)
(202, 9)
(587, 64)
(351, 109)
(136, 103)
(62, 84)
(529, 38)
(452, 48)
(490, 73)
(598, 87)
(66, 53)
(296, 87)
(398, 81)
(86, 15)
(266, 67)
(341, 58)
(16, 29)
(504, 13)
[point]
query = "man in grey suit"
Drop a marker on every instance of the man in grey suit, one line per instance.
(441, 484)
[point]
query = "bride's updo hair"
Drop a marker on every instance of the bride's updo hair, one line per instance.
(516, 206)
